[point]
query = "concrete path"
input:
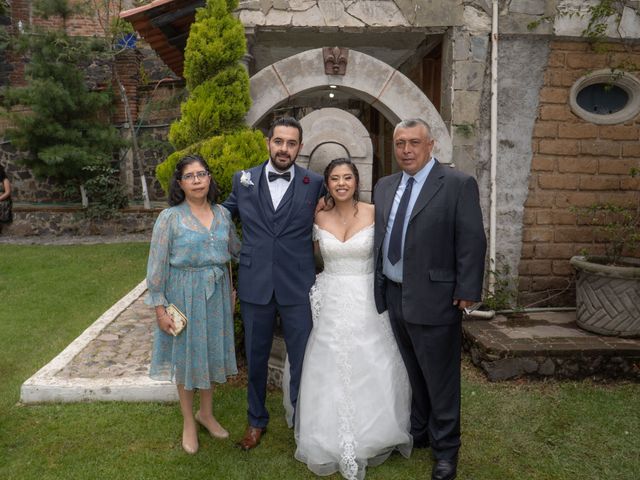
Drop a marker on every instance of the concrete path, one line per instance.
(109, 361)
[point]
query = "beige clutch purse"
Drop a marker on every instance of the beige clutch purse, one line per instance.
(179, 319)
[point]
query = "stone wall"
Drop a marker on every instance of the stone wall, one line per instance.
(31, 220)
(24, 186)
(575, 164)
(348, 14)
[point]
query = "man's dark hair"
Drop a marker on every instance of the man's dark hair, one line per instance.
(285, 122)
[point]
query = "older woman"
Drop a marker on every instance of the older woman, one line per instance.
(192, 243)
(6, 213)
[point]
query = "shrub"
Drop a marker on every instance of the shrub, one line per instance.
(215, 42)
(216, 106)
(105, 191)
(225, 154)
(212, 116)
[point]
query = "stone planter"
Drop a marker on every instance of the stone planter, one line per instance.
(608, 297)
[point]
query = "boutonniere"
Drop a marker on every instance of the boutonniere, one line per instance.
(245, 179)
(306, 180)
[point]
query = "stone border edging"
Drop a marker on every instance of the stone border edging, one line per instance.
(44, 386)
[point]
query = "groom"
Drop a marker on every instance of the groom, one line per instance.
(275, 202)
(429, 249)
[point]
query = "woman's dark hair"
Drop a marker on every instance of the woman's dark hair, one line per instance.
(3, 174)
(176, 194)
(336, 162)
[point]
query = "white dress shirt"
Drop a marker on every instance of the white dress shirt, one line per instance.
(278, 187)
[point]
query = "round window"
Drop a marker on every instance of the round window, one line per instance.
(606, 97)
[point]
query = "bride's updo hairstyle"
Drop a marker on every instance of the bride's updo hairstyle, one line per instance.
(336, 162)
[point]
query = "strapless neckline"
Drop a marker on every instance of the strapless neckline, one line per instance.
(348, 239)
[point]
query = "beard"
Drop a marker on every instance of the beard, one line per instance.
(282, 163)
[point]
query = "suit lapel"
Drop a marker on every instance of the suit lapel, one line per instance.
(429, 190)
(389, 194)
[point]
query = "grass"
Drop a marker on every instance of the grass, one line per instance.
(50, 294)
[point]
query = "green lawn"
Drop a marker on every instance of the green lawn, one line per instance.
(518, 430)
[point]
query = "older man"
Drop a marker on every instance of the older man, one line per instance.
(429, 249)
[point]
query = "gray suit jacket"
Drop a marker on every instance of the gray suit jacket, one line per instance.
(444, 246)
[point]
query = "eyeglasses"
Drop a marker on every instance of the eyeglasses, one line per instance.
(191, 177)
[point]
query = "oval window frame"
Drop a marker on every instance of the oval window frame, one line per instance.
(623, 80)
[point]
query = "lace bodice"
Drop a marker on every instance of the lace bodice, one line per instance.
(352, 257)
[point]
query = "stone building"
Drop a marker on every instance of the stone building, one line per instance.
(564, 131)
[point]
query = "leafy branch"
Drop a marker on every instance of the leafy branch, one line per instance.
(598, 16)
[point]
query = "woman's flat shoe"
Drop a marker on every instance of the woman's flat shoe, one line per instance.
(222, 434)
(190, 449)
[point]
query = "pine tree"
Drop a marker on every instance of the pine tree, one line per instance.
(66, 129)
(212, 120)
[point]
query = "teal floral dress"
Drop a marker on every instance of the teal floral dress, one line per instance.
(188, 266)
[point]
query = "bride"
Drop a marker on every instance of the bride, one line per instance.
(354, 401)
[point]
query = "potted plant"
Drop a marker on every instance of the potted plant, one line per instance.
(608, 286)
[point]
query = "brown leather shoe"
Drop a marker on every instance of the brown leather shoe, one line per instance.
(252, 437)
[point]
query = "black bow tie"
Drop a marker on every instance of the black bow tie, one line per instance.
(274, 176)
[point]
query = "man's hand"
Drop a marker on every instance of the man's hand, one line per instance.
(462, 304)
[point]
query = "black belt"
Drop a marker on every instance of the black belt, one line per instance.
(396, 284)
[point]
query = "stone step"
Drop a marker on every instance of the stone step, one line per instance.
(547, 344)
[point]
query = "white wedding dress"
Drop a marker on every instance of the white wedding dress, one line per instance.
(354, 400)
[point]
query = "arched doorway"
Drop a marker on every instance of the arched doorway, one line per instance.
(331, 133)
(386, 89)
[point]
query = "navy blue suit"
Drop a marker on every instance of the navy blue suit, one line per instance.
(276, 271)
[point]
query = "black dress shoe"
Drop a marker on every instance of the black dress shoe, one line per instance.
(444, 470)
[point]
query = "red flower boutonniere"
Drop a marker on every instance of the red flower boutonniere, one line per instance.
(306, 180)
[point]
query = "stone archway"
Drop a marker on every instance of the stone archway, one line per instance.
(367, 78)
(331, 133)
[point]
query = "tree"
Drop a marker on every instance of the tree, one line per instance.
(212, 120)
(66, 131)
(117, 34)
